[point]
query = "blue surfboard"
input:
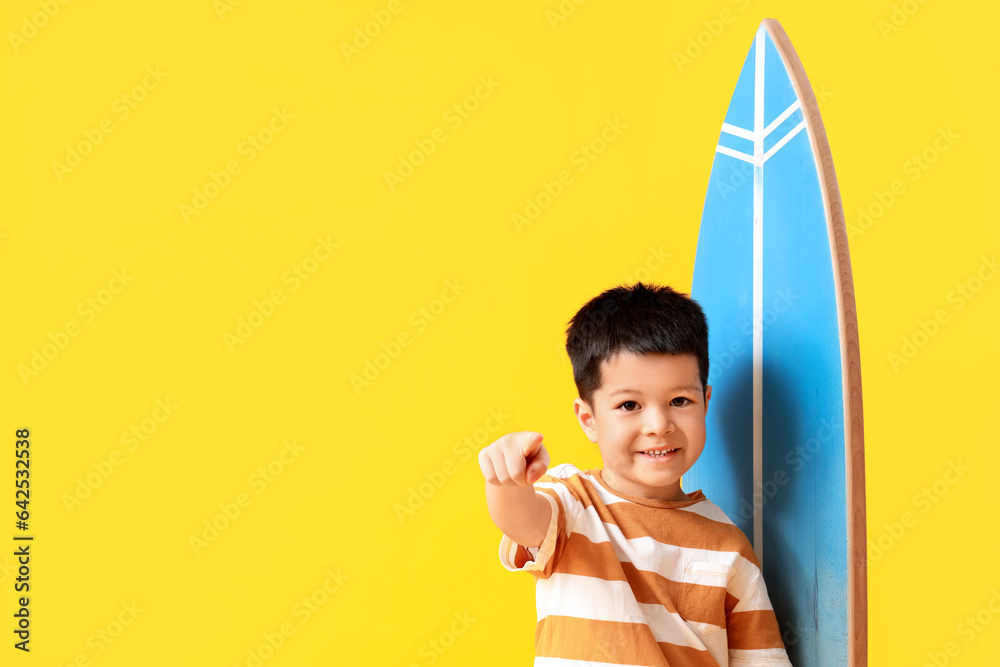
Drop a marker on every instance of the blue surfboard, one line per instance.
(785, 453)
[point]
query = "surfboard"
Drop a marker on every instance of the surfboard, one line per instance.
(784, 456)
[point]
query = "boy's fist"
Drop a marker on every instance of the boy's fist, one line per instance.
(516, 459)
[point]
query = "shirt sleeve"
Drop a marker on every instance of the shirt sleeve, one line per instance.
(752, 629)
(541, 560)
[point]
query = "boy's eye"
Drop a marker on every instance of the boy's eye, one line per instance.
(629, 406)
(680, 401)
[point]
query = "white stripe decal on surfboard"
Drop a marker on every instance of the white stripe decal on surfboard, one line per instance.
(784, 140)
(752, 135)
(725, 150)
(758, 294)
(780, 119)
(738, 131)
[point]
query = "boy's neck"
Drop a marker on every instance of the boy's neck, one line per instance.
(672, 493)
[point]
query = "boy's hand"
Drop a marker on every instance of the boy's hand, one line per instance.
(516, 459)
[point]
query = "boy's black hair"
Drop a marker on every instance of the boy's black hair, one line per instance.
(641, 319)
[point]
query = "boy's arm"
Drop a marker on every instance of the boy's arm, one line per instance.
(511, 465)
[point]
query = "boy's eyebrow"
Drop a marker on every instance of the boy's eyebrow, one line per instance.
(691, 387)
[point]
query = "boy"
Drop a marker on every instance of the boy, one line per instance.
(630, 569)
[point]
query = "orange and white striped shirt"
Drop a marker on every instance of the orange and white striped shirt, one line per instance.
(625, 580)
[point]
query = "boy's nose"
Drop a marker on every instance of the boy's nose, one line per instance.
(657, 422)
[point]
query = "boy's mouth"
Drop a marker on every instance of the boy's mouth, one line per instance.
(662, 452)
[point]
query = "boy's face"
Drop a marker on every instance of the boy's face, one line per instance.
(648, 419)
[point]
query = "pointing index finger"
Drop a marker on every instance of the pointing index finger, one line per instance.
(531, 444)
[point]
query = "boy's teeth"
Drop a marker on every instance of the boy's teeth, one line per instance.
(660, 452)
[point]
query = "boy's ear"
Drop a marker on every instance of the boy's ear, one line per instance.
(708, 395)
(586, 418)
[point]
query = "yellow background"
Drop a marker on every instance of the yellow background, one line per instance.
(334, 507)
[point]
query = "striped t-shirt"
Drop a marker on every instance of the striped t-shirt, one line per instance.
(626, 580)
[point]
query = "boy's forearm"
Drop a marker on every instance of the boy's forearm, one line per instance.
(522, 514)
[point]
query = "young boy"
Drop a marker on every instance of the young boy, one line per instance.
(630, 569)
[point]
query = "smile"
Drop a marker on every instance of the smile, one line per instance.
(659, 453)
